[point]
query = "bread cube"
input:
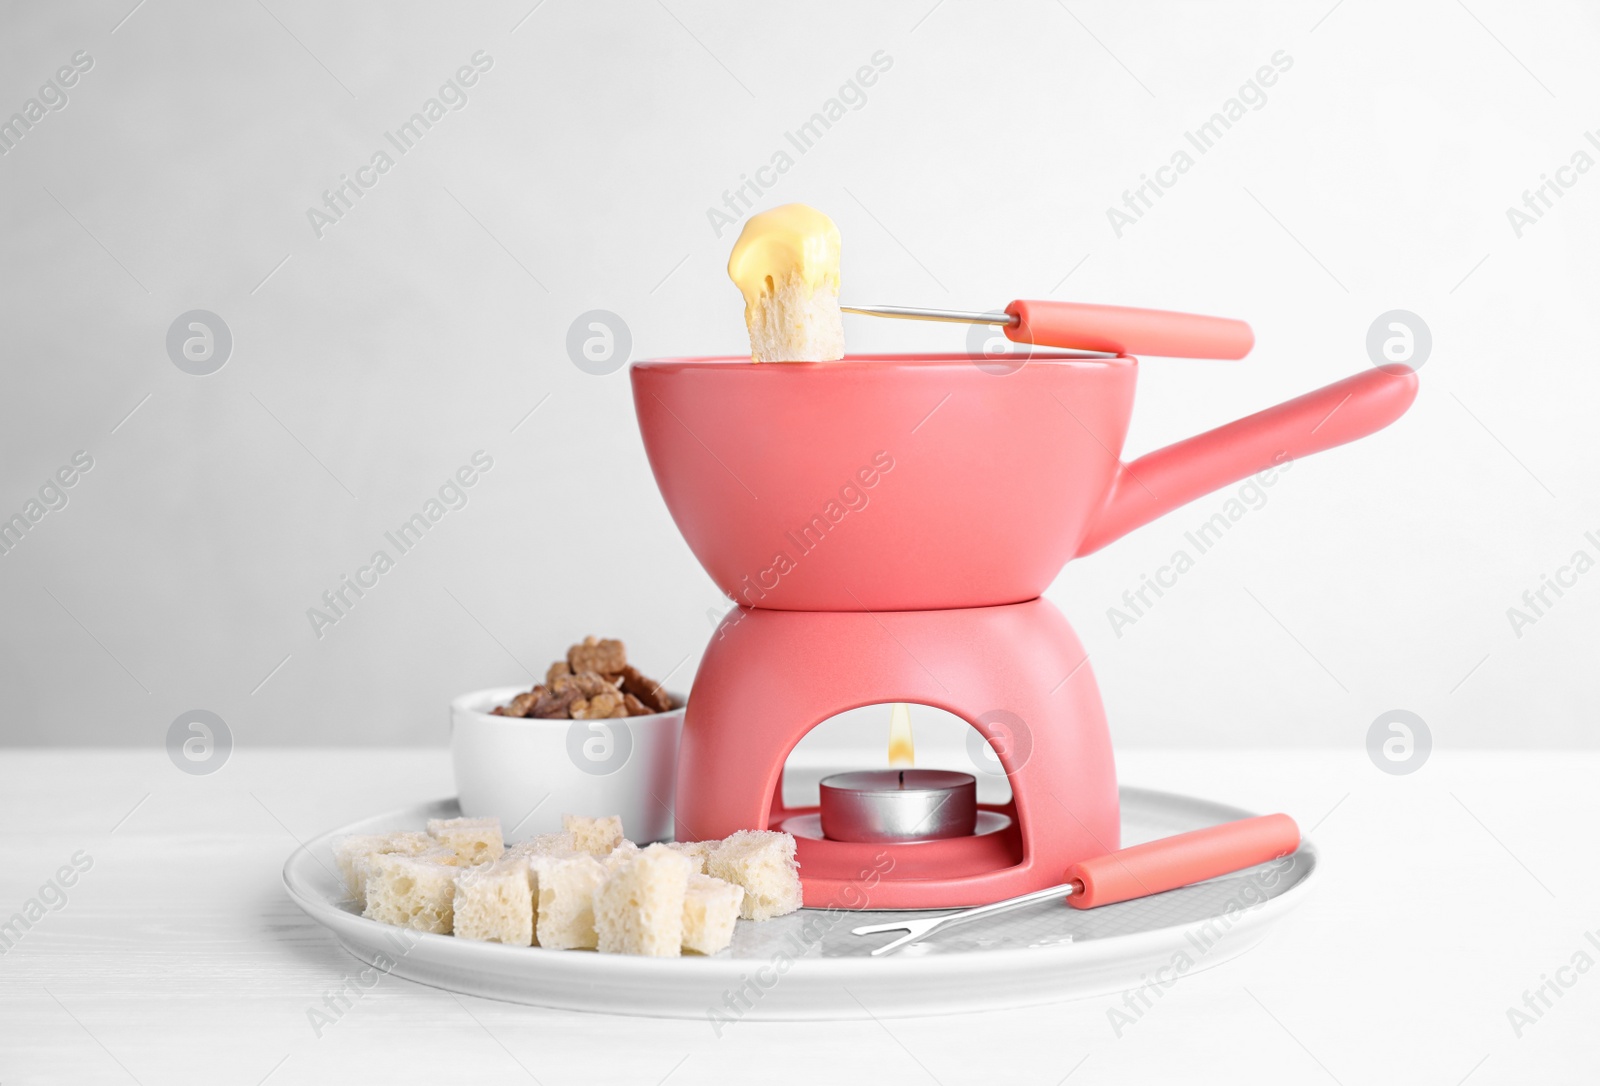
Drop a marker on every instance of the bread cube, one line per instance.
(596, 836)
(697, 851)
(433, 852)
(624, 852)
(544, 844)
(494, 902)
(352, 853)
(476, 840)
(566, 887)
(763, 863)
(416, 892)
(537, 863)
(710, 912)
(639, 908)
(792, 322)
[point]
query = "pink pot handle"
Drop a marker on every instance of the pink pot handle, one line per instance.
(1160, 481)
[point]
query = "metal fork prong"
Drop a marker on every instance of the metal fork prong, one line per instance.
(873, 929)
(920, 926)
(898, 943)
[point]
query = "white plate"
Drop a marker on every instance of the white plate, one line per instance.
(808, 965)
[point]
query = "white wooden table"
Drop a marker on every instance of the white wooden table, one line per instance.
(176, 957)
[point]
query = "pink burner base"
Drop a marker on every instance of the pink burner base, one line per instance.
(1016, 673)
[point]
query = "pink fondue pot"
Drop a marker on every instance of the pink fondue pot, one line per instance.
(886, 525)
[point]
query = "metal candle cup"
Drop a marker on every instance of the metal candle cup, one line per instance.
(898, 805)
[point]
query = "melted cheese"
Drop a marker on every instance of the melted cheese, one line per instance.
(790, 240)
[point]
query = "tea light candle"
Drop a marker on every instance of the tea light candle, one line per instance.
(899, 805)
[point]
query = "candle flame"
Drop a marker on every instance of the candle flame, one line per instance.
(902, 750)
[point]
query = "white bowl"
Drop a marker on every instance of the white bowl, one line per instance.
(529, 772)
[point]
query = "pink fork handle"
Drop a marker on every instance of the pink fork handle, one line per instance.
(1122, 330)
(1178, 861)
(1159, 482)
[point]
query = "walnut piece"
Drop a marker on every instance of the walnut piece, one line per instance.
(553, 705)
(648, 692)
(586, 683)
(599, 707)
(523, 704)
(606, 657)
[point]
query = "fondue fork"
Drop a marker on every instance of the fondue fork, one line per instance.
(1133, 872)
(1108, 328)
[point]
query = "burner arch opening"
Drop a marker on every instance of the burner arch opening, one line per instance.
(859, 738)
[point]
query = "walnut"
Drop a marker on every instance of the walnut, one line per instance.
(594, 682)
(648, 692)
(586, 683)
(605, 657)
(523, 704)
(599, 707)
(554, 705)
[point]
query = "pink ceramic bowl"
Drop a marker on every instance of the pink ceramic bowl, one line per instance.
(903, 482)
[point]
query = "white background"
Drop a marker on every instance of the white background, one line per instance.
(371, 363)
